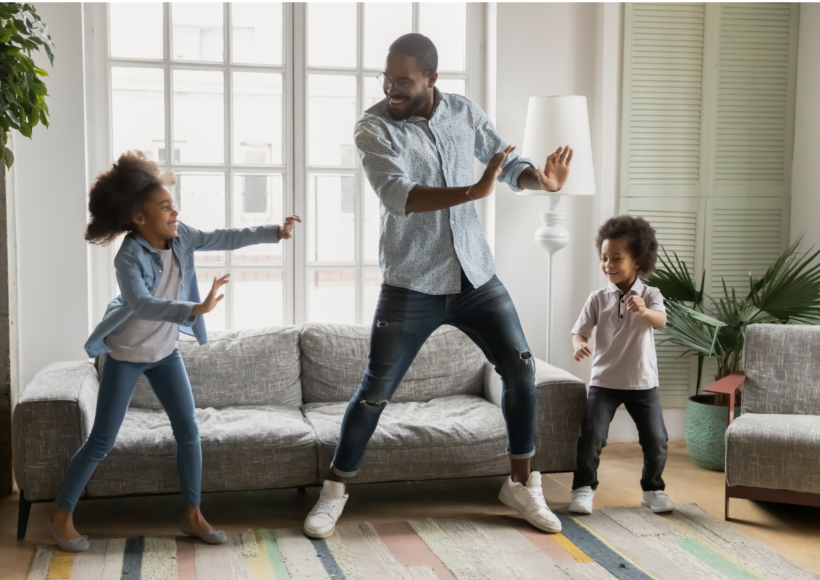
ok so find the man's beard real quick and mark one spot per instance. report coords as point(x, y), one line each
point(414, 107)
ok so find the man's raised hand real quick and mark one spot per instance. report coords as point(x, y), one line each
point(556, 169)
point(485, 185)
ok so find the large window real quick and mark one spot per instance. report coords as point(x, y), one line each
point(252, 107)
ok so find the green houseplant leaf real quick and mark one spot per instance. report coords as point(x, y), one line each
point(22, 93)
point(788, 293)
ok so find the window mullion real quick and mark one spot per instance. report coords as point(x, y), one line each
point(287, 159)
point(228, 132)
point(169, 100)
point(299, 48)
point(358, 222)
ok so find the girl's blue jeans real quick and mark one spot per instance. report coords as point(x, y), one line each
point(169, 380)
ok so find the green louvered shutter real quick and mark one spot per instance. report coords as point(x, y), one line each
point(707, 132)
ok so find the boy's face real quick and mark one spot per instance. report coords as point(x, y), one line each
point(158, 218)
point(617, 263)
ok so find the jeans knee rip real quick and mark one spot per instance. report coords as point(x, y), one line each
point(371, 406)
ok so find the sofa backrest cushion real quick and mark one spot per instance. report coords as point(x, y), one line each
point(334, 357)
point(238, 367)
point(782, 365)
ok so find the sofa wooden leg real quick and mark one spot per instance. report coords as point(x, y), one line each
point(23, 511)
point(726, 505)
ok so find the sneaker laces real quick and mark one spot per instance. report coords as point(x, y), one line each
point(328, 505)
point(582, 493)
point(537, 497)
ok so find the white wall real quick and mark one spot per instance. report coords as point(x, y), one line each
point(805, 168)
point(543, 49)
point(50, 192)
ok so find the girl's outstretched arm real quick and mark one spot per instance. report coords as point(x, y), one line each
point(233, 238)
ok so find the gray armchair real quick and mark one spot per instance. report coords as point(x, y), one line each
point(773, 448)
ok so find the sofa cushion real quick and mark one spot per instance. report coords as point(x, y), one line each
point(782, 365)
point(334, 357)
point(238, 367)
point(774, 451)
point(242, 448)
point(458, 436)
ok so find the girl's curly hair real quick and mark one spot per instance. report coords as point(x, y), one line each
point(119, 193)
point(640, 239)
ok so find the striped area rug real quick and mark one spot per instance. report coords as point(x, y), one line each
point(622, 543)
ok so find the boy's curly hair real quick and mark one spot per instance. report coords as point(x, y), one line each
point(640, 239)
point(119, 193)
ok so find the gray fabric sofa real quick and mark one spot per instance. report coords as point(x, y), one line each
point(773, 448)
point(269, 406)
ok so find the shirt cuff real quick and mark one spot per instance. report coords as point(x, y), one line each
point(270, 234)
point(518, 167)
point(183, 316)
point(394, 195)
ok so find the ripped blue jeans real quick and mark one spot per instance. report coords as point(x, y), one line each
point(404, 320)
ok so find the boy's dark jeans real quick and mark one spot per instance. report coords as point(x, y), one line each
point(644, 407)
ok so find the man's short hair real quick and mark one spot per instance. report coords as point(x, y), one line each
point(420, 47)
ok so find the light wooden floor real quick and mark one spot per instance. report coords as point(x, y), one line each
point(791, 530)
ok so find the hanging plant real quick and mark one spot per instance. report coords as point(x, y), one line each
point(22, 92)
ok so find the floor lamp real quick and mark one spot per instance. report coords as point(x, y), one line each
point(553, 122)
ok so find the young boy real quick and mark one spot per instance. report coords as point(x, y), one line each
point(624, 366)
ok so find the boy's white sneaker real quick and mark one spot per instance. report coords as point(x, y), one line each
point(657, 501)
point(528, 500)
point(582, 500)
point(321, 521)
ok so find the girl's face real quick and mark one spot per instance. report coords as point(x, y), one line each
point(617, 263)
point(158, 218)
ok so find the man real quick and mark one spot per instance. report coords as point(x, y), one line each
point(417, 148)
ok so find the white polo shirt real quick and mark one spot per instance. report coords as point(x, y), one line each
point(624, 355)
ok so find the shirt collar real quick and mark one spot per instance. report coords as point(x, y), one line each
point(141, 241)
point(637, 287)
point(437, 98)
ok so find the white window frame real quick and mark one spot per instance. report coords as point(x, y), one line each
point(295, 170)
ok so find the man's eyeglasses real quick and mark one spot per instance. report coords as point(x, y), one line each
point(402, 85)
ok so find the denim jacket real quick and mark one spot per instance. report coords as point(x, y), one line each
point(139, 270)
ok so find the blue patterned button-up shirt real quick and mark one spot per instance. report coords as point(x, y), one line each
point(426, 251)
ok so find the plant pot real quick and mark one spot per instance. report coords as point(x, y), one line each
point(706, 425)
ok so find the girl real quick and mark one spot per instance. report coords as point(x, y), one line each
point(139, 332)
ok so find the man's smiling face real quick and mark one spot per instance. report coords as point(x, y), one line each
point(411, 89)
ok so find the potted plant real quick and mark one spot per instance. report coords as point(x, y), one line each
point(22, 92)
point(788, 293)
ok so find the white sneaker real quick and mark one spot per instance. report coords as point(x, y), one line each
point(321, 521)
point(582, 500)
point(528, 500)
point(657, 501)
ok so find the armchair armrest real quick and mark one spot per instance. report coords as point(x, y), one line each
point(727, 386)
point(560, 400)
point(51, 421)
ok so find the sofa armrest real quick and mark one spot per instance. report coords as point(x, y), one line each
point(560, 401)
point(728, 386)
point(52, 419)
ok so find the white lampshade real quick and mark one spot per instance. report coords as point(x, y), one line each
point(553, 122)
